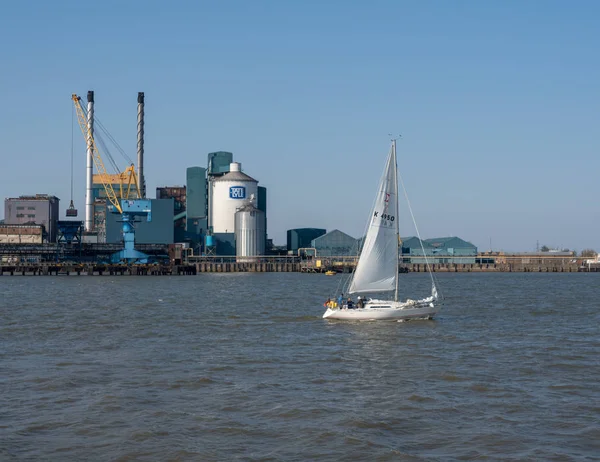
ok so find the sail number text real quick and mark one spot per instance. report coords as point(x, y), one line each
point(384, 216)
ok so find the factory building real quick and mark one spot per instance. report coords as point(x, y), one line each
point(335, 243)
point(205, 209)
point(228, 192)
point(159, 230)
point(196, 205)
point(40, 209)
point(213, 196)
point(301, 238)
point(438, 250)
point(178, 194)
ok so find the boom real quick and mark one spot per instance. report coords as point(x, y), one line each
point(110, 192)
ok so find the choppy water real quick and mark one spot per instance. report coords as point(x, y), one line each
point(242, 367)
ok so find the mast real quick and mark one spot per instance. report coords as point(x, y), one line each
point(397, 221)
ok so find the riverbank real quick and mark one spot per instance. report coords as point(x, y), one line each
point(48, 269)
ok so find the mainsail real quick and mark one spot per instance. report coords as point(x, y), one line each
point(377, 268)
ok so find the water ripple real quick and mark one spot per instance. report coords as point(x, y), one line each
point(243, 367)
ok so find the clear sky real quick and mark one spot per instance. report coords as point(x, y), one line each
point(498, 104)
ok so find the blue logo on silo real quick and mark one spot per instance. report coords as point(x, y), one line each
point(237, 192)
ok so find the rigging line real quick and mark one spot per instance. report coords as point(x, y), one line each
point(433, 281)
point(100, 140)
point(103, 129)
point(113, 140)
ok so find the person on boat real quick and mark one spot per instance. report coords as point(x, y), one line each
point(350, 303)
point(360, 303)
point(340, 300)
point(327, 303)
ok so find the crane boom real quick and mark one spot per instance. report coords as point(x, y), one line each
point(110, 192)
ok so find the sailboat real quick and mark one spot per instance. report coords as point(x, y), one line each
point(378, 264)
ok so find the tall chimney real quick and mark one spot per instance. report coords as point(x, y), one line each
point(140, 145)
point(89, 201)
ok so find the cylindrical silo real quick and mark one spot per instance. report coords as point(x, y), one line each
point(250, 233)
point(229, 192)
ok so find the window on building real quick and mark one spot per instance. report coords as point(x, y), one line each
point(30, 208)
point(31, 216)
point(20, 215)
point(20, 208)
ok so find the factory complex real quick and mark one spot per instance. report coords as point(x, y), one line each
point(219, 214)
point(219, 211)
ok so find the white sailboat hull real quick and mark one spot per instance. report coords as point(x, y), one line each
point(385, 310)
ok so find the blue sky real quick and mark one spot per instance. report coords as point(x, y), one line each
point(498, 104)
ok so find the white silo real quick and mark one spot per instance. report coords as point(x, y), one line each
point(228, 193)
point(250, 232)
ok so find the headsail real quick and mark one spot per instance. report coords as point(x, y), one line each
point(434, 292)
point(377, 267)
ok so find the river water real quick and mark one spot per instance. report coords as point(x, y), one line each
point(243, 367)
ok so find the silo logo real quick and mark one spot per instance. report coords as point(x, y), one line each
point(237, 192)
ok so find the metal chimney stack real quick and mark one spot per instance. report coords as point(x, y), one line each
point(140, 145)
point(89, 200)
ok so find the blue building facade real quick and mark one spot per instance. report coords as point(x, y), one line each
point(302, 238)
point(159, 230)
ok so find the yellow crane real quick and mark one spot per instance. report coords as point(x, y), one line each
point(127, 180)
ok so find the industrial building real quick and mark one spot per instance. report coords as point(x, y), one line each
point(178, 194)
point(40, 209)
point(219, 211)
point(335, 243)
point(196, 218)
point(301, 238)
point(438, 250)
point(159, 230)
point(213, 196)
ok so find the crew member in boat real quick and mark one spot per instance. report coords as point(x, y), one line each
point(350, 303)
point(360, 303)
point(340, 300)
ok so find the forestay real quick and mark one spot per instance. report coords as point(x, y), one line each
point(377, 267)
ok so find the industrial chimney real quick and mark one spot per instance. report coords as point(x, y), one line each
point(89, 201)
point(140, 145)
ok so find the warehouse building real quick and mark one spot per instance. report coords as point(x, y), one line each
point(335, 243)
point(438, 250)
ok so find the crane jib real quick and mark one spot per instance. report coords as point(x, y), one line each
point(127, 180)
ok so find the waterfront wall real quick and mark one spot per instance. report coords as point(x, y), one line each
point(268, 267)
